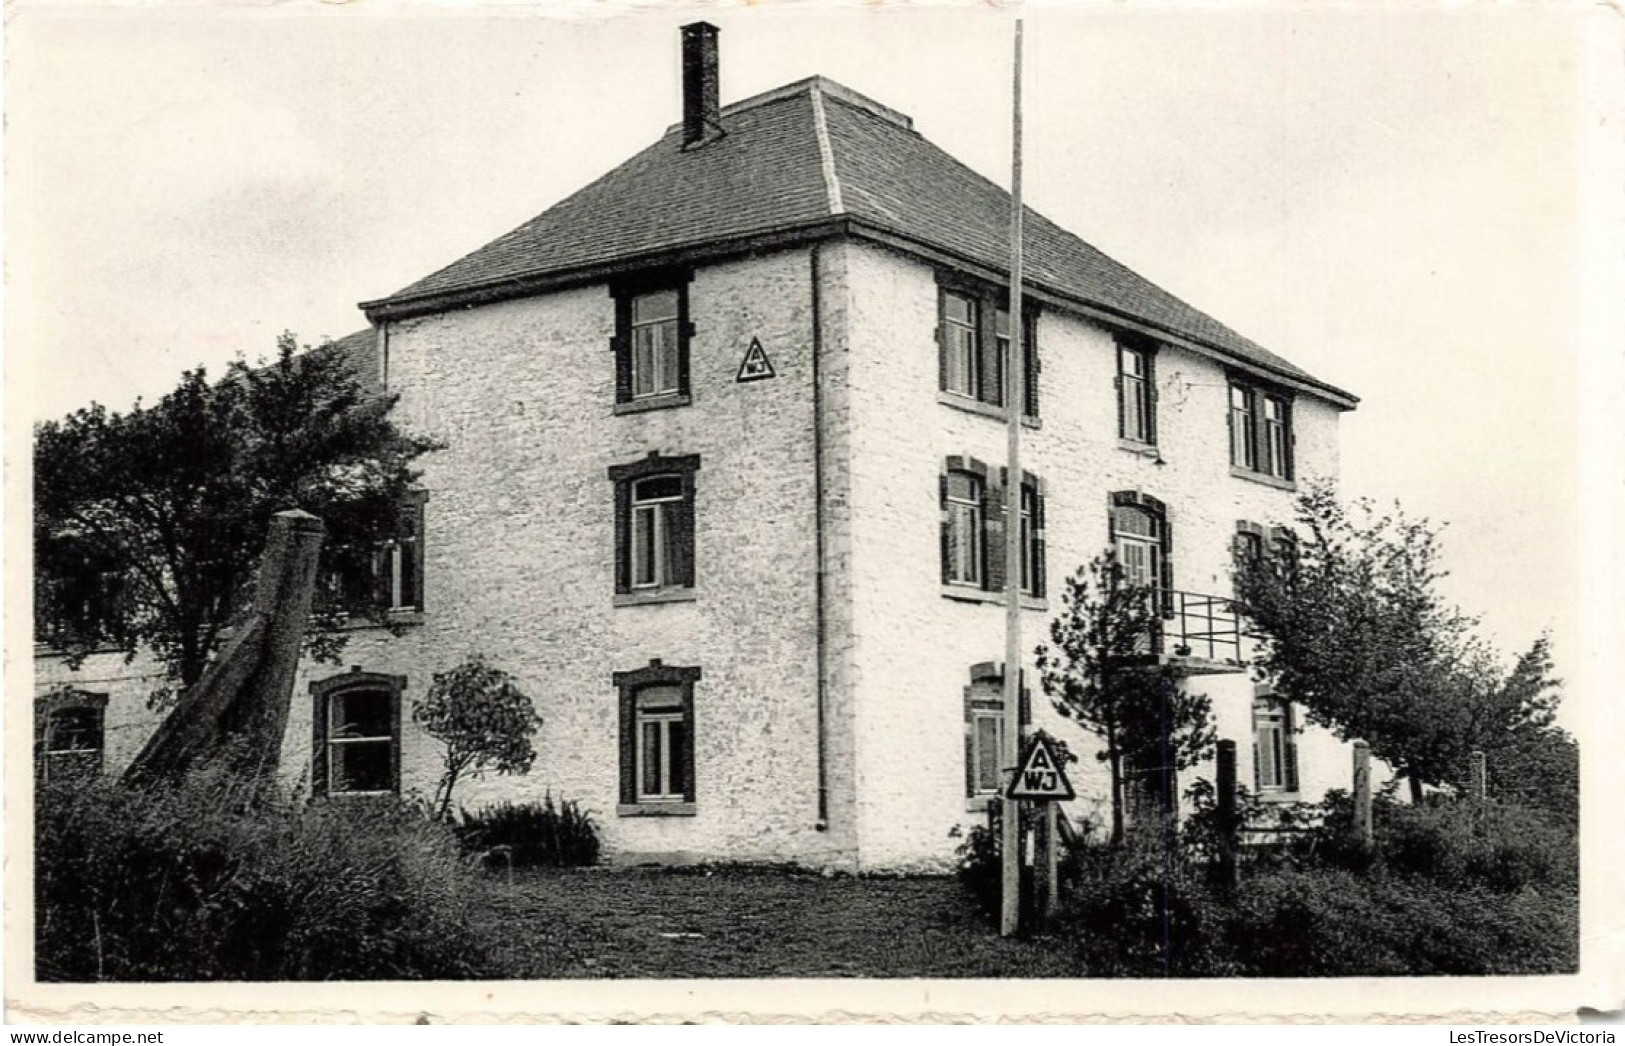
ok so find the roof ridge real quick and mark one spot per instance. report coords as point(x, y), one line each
point(826, 151)
point(807, 85)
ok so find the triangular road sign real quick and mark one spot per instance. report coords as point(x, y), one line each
point(756, 365)
point(1040, 775)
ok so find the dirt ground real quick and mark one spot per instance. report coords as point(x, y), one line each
point(678, 923)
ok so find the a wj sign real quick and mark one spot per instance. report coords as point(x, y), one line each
point(1039, 776)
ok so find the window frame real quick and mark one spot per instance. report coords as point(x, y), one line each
point(987, 350)
point(52, 707)
point(1267, 445)
point(675, 554)
point(1139, 389)
point(984, 699)
point(1157, 511)
point(627, 293)
point(1275, 716)
point(989, 535)
point(324, 694)
point(630, 686)
point(956, 510)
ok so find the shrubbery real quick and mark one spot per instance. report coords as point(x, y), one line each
point(532, 835)
point(1446, 889)
point(195, 883)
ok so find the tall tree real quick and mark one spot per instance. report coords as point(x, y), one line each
point(148, 523)
point(1351, 625)
point(1101, 672)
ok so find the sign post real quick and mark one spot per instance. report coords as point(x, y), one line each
point(1041, 777)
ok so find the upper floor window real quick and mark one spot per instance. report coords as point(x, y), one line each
point(657, 738)
point(1136, 393)
point(1260, 431)
point(654, 526)
point(69, 735)
point(652, 334)
point(1143, 544)
point(356, 734)
point(973, 335)
point(388, 576)
point(83, 598)
point(974, 499)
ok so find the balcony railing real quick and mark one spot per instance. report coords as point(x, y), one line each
point(1200, 627)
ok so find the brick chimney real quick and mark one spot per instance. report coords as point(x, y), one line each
point(702, 107)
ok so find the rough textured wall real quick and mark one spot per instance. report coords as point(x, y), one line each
point(914, 646)
point(520, 548)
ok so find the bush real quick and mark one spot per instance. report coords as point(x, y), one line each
point(532, 835)
point(195, 883)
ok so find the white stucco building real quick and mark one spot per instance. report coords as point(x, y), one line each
point(722, 488)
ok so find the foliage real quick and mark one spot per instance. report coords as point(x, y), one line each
point(163, 510)
point(531, 835)
point(1098, 673)
point(484, 721)
point(1352, 626)
point(194, 883)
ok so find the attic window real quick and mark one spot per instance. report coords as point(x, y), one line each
point(651, 344)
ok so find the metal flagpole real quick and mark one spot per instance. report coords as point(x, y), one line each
point(1014, 388)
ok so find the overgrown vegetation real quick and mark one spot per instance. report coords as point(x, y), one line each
point(1448, 888)
point(148, 523)
point(197, 882)
point(531, 835)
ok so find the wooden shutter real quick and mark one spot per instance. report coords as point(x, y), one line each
point(318, 743)
point(1150, 358)
point(1258, 771)
point(629, 742)
point(621, 344)
point(990, 369)
point(942, 339)
point(623, 535)
point(1289, 747)
point(994, 512)
point(685, 334)
point(1167, 579)
point(1289, 439)
point(687, 754)
point(1030, 364)
point(1117, 384)
point(681, 520)
point(942, 504)
point(395, 740)
point(970, 745)
point(1040, 567)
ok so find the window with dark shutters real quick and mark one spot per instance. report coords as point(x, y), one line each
point(976, 509)
point(653, 332)
point(1275, 745)
point(356, 734)
point(1261, 437)
point(654, 524)
point(984, 729)
point(1142, 541)
point(973, 345)
point(657, 738)
point(1136, 390)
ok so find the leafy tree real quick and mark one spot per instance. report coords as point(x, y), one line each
point(149, 524)
point(484, 721)
point(1100, 672)
point(1511, 718)
point(1352, 626)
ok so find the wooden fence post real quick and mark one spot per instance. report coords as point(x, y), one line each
point(1363, 831)
point(1229, 823)
point(1477, 777)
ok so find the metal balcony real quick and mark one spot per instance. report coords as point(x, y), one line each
point(1199, 633)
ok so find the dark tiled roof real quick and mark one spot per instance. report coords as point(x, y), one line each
point(767, 176)
point(360, 350)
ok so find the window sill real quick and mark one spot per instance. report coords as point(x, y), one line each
point(1263, 477)
point(655, 809)
point(966, 594)
point(1279, 795)
point(978, 804)
point(638, 406)
point(1140, 450)
point(400, 618)
point(987, 410)
point(657, 595)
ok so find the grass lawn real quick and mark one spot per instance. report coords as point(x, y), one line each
point(650, 922)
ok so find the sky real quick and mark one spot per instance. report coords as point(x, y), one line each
point(1392, 200)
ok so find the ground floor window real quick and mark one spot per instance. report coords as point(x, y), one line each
point(69, 735)
point(1275, 748)
point(357, 734)
point(657, 737)
point(984, 730)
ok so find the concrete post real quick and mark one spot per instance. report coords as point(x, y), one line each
point(239, 708)
point(1477, 777)
point(1052, 863)
point(1363, 831)
point(1228, 821)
